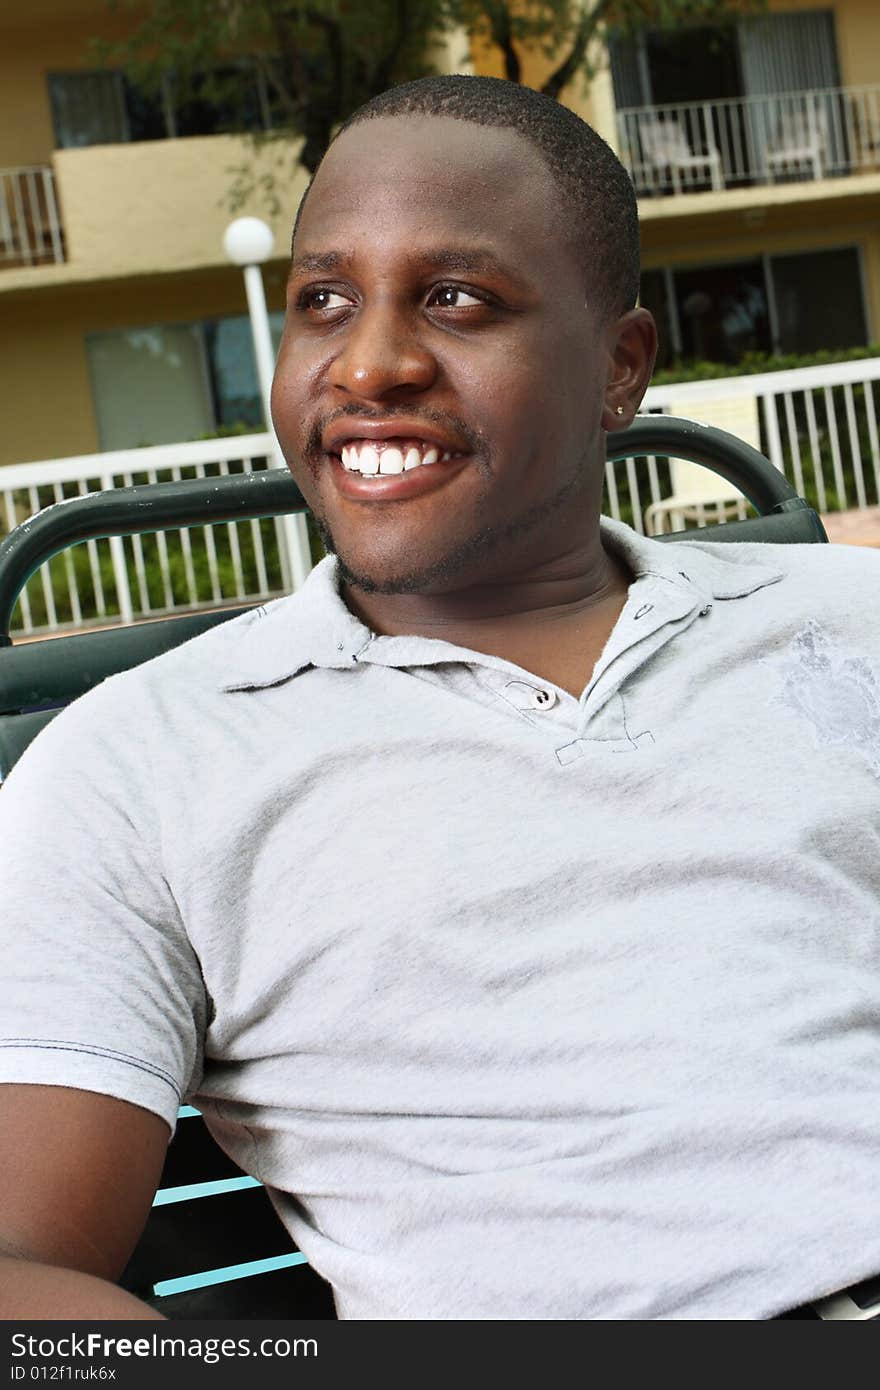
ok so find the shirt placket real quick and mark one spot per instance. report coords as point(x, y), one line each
point(651, 618)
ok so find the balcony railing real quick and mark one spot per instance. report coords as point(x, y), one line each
point(715, 145)
point(30, 227)
point(122, 579)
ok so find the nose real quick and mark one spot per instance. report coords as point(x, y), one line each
point(382, 352)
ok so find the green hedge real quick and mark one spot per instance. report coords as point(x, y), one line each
point(755, 362)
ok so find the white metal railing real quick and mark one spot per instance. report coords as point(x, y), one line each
point(30, 227)
point(814, 134)
point(101, 582)
point(818, 425)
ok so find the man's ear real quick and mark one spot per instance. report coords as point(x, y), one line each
point(632, 350)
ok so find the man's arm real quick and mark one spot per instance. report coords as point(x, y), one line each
point(78, 1172)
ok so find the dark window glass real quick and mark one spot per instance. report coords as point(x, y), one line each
point(273, 76)
point(693, 64)
point(653, 296)
point(222, 100)
point(722, 311)
point(146, 114)
point(627, 75)
point(88, 108)
point(102, 108)
point(819, 300)
point(233, 371)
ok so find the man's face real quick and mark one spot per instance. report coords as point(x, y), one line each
point(436, 310)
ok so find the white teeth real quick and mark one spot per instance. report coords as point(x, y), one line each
point(366, 459)
point(391, 461)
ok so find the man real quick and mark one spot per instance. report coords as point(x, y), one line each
point(506, 898)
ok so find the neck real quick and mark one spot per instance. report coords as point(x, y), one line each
point(579, 590)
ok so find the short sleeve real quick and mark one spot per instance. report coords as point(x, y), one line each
point(100, 988)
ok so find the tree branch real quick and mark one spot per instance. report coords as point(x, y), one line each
point(499, 22)
point(385, 68)
point(586, 29)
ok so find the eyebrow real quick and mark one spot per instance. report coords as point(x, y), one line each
point(443, 258)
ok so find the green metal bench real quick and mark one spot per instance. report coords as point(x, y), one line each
point(213, 1246)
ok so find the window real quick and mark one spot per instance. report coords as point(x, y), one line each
point(106, 108)
point(216, 101)
point(654, 295)
point(755, 55)
point(170, 382)
point(819, 300)
point(88, 108)
point(722, 311)
point(794, 303)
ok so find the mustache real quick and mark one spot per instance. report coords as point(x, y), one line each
point(441, 419)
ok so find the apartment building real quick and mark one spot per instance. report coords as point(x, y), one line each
point(754, 149)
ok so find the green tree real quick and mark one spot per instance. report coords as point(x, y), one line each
point(321, 59)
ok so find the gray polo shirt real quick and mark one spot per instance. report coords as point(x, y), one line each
point(523, 1006)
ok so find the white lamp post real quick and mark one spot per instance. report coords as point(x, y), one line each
point(248, 242)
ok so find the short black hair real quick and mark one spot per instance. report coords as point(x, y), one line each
point(598, 203)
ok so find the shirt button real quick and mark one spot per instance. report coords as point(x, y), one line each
point(544, 699)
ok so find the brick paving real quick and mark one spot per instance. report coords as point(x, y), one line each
point(857, 527)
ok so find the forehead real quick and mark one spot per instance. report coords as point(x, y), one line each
point(429, 178)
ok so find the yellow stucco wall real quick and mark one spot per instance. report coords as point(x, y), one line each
point(130, 209)
point(38, 37)
point(43, 349)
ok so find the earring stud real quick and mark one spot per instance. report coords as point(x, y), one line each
point(620, 410)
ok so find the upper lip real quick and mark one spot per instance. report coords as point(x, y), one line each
point(344, 431)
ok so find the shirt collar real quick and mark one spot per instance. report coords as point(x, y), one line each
point(313, 627)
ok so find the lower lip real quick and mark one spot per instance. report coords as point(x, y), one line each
point(394, 487)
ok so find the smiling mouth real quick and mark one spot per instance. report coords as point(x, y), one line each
point(372, 458)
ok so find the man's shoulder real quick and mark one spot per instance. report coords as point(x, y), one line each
point(857, 559)
point(208, 659)
point(172, 690)
point(831, 574)
point(213, 655)
point(280, 631)
point(811, 597)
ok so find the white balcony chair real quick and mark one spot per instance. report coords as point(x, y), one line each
point(698, 494)
point(801, 139)
point(665, 146)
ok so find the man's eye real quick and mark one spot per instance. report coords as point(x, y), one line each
point(451, 297)
point(322, 299)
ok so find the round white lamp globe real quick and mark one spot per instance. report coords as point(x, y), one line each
point(248, 241)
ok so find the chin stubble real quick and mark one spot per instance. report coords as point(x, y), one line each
point(482, 544)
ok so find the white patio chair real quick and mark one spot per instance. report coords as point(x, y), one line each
point(665, 146)
point(801, 138)
point(698, 494)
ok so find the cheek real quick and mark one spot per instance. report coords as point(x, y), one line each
point(297, 377)
point(292, 419)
